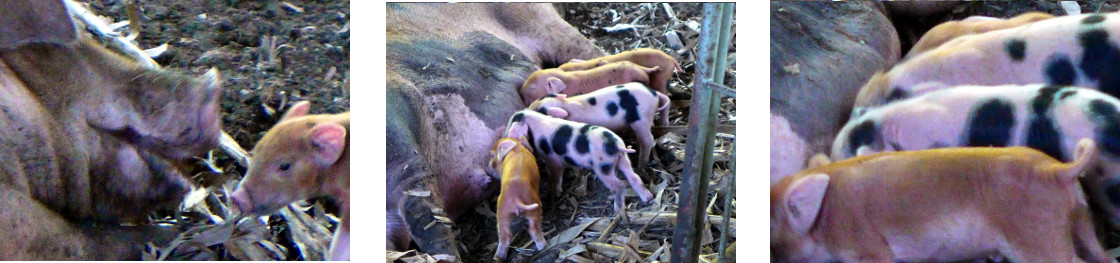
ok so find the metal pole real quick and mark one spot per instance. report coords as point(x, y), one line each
point(701, 132)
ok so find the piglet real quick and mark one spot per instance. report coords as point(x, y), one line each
point(566, 143)
point(944, 32)
point(520, 184)
point(553, 81)
point(646, 57)
point(629, 106)
point(303, 156)
point(937, 205)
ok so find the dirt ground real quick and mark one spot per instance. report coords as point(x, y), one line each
point(587, 199)
point(270, 54)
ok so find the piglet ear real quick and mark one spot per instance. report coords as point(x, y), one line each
point(504, 148)
point(561, 96)
point(555, 85)
point(297, 110)
point(328, 141)
point(557, 112)
point(803, 201)
point(517, 129)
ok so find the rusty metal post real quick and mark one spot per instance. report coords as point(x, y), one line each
point(714, 38)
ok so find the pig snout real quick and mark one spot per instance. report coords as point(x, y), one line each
point(241, 200)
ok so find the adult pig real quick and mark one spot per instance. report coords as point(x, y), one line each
point(93, 135)
point(820, 54)
point(1050, 119)
point(453, 75)
point(303, 156)
point(939, 205)
point(1071, 50)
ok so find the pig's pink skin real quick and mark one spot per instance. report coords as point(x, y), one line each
point(970, 60)
point(826, 213)
point(303, 156)
point(579, 109)
point(939, 118)
point(442, 122)
point(556, 81)
point(545, 126)
point(646, 57)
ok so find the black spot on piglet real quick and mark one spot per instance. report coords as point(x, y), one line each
point(1108, 121)
point(630, 105)
point(543, 145)
point(591, 101)
point(896, 94)
point(583, 145)
point(1099, 61)
point(864, 133)
point(1066, 93)
point(517, 117)
point(612, 108)
point(1042, 135)
point(1059, 70)
point(561, 138)
point(1093, 19)
point(990, 124)
point(610, 145)
point(1017, 48)
point(569, 160)
point(606, 168)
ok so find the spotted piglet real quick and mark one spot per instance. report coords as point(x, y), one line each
point(566, 143)
point(629, 106)
point(1048, 118)
point(554, 81)
point(1079, 50)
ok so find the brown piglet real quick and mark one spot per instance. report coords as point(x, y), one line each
point(940, 205)
point(520, 185)
point(646, 57)
point(303, 156)
point(557, 81)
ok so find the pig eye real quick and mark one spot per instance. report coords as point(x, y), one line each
point(285, 166)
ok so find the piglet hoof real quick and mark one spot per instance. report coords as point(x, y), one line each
point(645, 195)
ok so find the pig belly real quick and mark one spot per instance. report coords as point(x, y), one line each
point(459, 152)
point(952, 237)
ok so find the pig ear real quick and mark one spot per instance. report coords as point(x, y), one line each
point(803, 201)
point(212, 83)
point(24, 22)
point(557, 112)
point(297, 110)
point(517, 129)
point(329, 141)
point(561, 96)
point(504, 148)
point(555, 85)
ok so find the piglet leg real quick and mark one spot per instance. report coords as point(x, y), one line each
point(556, 171)
point(645, 141)
point(635, 181)
point(1085, 238)
point(505, 218)
point(534, 217)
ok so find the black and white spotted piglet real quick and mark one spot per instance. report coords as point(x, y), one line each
point(1047, 118)
point(565, 143)
point(1079, 50)
point(629, 106)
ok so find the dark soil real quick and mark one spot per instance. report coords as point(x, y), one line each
point(270, 54)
